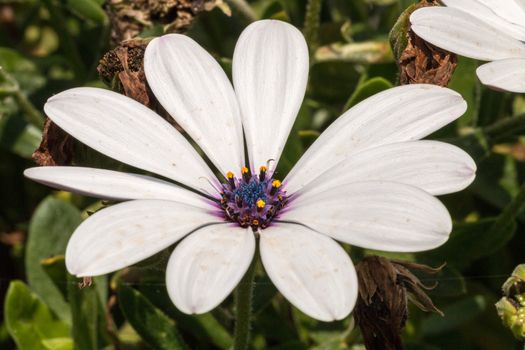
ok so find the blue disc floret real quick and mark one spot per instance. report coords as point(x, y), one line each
point(253, 199)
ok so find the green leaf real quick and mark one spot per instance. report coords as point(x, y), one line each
point(59, 344)
point(367, 89)
point(88, 320)
point(49, 230)
point(88, 9)
point(477, 237)
point(22, 70)
point(157, 329)
point(332, 81)
point(29, 321)
point(455, 315)
point(18, 136)
point(87, 315)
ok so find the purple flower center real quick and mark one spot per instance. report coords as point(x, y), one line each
point(252, 200)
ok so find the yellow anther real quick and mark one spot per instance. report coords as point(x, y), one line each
point(229, 175)
point(244, 170)
point(276, 183)
point(255, 222)
point(263, 169)
point(260, 204)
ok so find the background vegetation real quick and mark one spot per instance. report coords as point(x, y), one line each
point(51, 45)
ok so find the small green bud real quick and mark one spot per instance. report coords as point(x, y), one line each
point(515, 284)
point(512, 313)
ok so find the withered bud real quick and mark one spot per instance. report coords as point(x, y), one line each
point(56, 148)
point(130, 17)
point(385, 287)
point(122, 69)
point(420, 62)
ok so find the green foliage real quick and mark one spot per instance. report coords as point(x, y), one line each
point(31, 323)
point(49, 230)
point(157, 329)
point(52, 45)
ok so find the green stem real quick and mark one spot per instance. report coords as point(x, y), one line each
point(243, 308)
point(31, 114)
point(504, 127)
point(512, 210)
point(243, 7)
point(311, 23)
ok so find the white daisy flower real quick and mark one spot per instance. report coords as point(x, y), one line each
point(366, 181)
point(487, 30)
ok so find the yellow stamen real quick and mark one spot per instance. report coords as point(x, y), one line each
point(229, 175)
point(276, 183)
point(255, 222)
point(263, 169)
point(260, 204)
point(244, 170)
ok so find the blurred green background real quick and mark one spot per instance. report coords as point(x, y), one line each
point(51, 45)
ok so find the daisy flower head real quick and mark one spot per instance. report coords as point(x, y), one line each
point(487, 30)
point(367, 180)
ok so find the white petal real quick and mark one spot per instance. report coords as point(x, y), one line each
point(193, 88)
point(399, 114)
point(270, 71)
point(385, 216)
point(311, 270)
point(508, 75)
point(110, 184)
point(207, 265)
point(511, 10)
point(129, 232)
point(461, 33)
point(436, 167)
point(477, 9)
point(128, 131)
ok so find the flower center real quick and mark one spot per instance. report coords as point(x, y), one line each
point(252, 200)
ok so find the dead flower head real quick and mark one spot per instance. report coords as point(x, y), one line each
point(130, 17)
point(420, 62)
point(385, 287)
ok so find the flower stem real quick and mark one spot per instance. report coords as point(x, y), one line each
point(511, 211)
point(243, 308)
point(243, 7)
point(506, 127)
point(311, 23)
point(32, 115)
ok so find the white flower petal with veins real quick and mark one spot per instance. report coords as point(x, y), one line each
point(485, 13)
point(108, 184)
point(399, 114)
point(378, 215)
point(206, 266)
point(504, 74)
point(436, 167)
point(459, 32)
point(311, 270)
point(128, 131)
point(129, 232)
point(510, 10)
point(194, 89)
point(270, 71)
